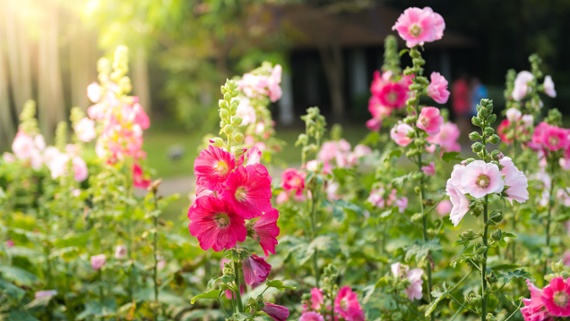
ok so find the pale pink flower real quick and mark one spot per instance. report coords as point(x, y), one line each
point(94, 92)
point(23, 146)
point(8, 157)
point(437, 88)
point(456, 195)
point(311, 316)
point(566, 258)
point(413, 276)
point(429, 169)
point(246, 112)
point(430, 120)
point(45, 294)
point(522, 88)
point(418, 26)
point(97, 261)
point(444, 208)
point(527, 120)
point(85, 130)
point(282, 198)
point(402, 134)
point(515, 180)
point(482, 179)
point(331, 191)
point(513, 114)
point(273, 84)
point(446, 138)
point(80, 171)
point(401, 203)
point(120, 252)
point(312, 165)
point(549, 87)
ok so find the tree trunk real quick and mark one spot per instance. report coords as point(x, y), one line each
point(7, 128)
point(141, 81)
point(331, 55)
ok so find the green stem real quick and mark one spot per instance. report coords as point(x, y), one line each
point(129, 213)
point(101, 292)
point(314, 196)
point(237, 270)
point(514, 221)
point(425, 232)
point(154, 250)
point(484, 263)
point(549, 213)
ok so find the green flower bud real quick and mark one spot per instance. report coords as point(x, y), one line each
point(492, 118)
point(488, 131)
point(476, 121)
point(494, 139)
point(477, 147)
point(496, 216)
point(497, 235)
point(475, 136)
point(238, 138)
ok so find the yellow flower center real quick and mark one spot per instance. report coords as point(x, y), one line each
point(221, 167)
point(415, 30)
point(483, 181)
point(240, 194)
point(222, 220)
point(561, 299)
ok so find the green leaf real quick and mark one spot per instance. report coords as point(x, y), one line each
point(17, 275)
point(278, 284)
point(212, 294)
point(437, 296)
point(421, 250)
point(506, 277)
point(451, 156)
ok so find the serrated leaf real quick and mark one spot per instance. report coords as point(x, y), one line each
point(212, 294)
point(17, 275)
point(421, 250)
point(515, 274)
point(437, 296)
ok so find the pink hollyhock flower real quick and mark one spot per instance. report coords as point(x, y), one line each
point(522, 88)
point(10, 243)
point(120, 252)
point(515, 180)
point(418, 26)
point(246, 112)
point(80, 171)
point(215, 223)
point(401, 134)
point(98, 261)
point(513, 114)
point(255, 269)
point(549, 87)
point(23, 146)
point(414, 277)
point(328, 151)
point(430, 120)
point(402, 204)
point(446, 138)
point(456, 195)
point(282, 198)
point(444, 207)
point(8, 158)
point(331, 191)
point(533, 309)
point(45, 294)
point(85, 130)
point(253, 156)
point(374, 124)
point(378, 81)
point(139, 117)
point(556, 297)
point(429, 169)
point(311, 316)
point(555, 138)
point(361, 151)
point(347, 306)
point(317, 299)
point(437, 88)
point(527, 120)
point(248, 190)
point(94, 92)
point(213, 166)
point(293, 181)
point(276, 312)
point(393, 95)
point(480, 179)
point(566, 258)
point(502, 131)
point(376, 197)
point(273, 84)
point(265, 231)
point(139, 180)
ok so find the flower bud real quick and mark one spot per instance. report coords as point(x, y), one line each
point(492, 118)
point(496, 217)
point(494, 139)
point(475, 136)
point(477, 147)
point(476, 121)
point(488, 131)
point(497, 235)
point(238, 137)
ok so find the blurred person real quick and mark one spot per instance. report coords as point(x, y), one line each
point(478, 92)
point(460, 102)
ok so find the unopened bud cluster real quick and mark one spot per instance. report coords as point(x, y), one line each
point(229, 121)
point(484, 119)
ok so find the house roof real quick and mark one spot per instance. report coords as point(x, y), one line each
point(309, 27)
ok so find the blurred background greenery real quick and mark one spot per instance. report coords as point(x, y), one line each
point(182, 51)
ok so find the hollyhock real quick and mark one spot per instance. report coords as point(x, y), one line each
point(393, 95)
point(533, 309)
point(456, 194)
point(444, 207)
point(522, 88)
point(94, 92)
point(328, 151)
point(23, 146)
point(293, 181)
point(446, 138)
point(214, 165)
point(248, 190)
point(85, 130)
point(276, 312)
point(10, 243)
point(430, 120)
point(401, 204)
point(265, 231)
point(331, 191)
point(437, 88)
point(97, 261)
point(401, 134)
point(317, 299)
point(480, 179)
point(549, 87)
point(414, 277)
point(515, 180)
point(347, 306)
point(556, 138)
point(45, 294)
point(273, 86)
point(311, 316)
point(139, 180)
point(429, 169)
point(566, 258)
point(513, 114)
point(556, 297)
point(80, 171)
point(246, 112)
point(418, 26)
point(502, 131)
point(120, 252)
point(215, 223)
point(255, 269)
point(378, 81)
point(376, 197)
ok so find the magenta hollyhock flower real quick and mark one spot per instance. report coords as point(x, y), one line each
point(556, 138)
point(97, 261)
point(402, 134)
point(293, 181)
point(549, 87)
point(418, 26)
point(347, 306)
point(215, 223)
point(430, 120)
point(502, 131)
point(515, 180)
point(276, 312)
point(248, 190)
point(213, 166)
point(480, 179)
point(311, 316)
point(378, 81)
point(394, 94)
point(255, 269)
point(437, 88)
point(534, 309)
point(556, 297)
point(446, 138)
point(265, 231)
point(317, 299)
